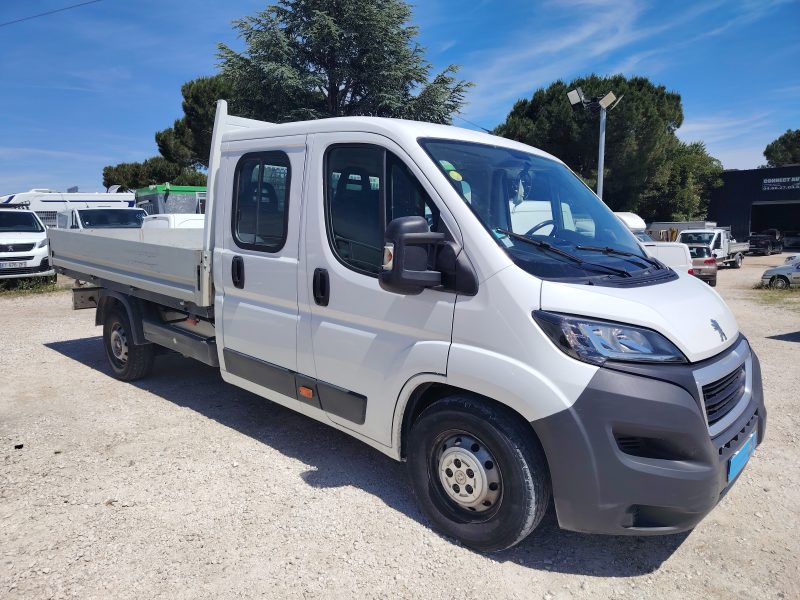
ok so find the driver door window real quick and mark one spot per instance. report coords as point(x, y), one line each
point(366, 187)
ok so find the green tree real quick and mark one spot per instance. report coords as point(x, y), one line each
point(640, 134)
point(307, 59)
point(188, 141)
point(682, 184)
point(785, 150)
point(154, 170)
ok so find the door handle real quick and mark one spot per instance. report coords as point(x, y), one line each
point(321, 287)
point(237, 271)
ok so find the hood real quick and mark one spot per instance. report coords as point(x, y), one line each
point(686, 311)
point(22, 237)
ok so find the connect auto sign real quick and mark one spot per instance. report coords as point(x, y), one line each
point(775, 184)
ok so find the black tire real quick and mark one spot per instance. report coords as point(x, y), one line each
point(779, 282)
point(128, 361)
point(737, 262)
point(521, 492)
point(713, 282)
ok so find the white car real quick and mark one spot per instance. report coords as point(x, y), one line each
point(23, 244)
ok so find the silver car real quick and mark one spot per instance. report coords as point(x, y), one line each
point(782, 277)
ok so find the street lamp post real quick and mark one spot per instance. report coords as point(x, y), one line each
point(601, 105)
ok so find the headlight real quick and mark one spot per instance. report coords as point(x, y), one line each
point(43, 243)
point(598, 341)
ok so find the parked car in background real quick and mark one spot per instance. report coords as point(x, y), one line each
point(792, 258)
point(704, 265)
point(783, 277)
point(769, 241)
point(100, 218)
point(23, 243)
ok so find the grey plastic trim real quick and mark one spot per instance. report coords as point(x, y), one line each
point(184, 342)
point(260, 372)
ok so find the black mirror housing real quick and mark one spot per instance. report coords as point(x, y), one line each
point(406, 256)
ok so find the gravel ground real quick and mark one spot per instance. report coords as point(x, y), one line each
point(181, 486)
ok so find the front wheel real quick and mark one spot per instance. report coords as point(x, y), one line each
point(779, 283)
point(128, 361)
point(478, 473)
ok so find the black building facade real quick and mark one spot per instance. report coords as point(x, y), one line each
point(758, 199)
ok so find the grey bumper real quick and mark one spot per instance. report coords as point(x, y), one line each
point(635, 454)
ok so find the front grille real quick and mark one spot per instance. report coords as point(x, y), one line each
point(16, 247)
point(721, 396)
point(14, 258)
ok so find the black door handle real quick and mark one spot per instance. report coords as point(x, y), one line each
point(322, 287)
point(237, 271)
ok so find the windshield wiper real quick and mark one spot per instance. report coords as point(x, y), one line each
point(556, 250)
point(610, 250)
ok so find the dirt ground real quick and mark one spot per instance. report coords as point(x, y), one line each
point(181, 486)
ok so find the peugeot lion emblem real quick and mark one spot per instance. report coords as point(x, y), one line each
point(718, 329)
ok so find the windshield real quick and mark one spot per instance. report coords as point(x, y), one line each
point(19, 220)
point(696, 237)
point(111, 218)
point(544, 217)
point(643, 237)
point(699, 251)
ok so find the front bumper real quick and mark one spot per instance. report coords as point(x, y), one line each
point(33, 263)
point(635, 456)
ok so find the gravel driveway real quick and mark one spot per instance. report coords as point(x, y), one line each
point(181, 486)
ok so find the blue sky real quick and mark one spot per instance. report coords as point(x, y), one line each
point(89, 87)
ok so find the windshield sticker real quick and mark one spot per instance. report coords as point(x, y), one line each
point(456, 175)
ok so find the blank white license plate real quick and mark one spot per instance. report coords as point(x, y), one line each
point(12, 265)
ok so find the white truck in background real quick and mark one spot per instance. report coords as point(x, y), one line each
point(370, 273)
point(726, 250)
point(672, 254)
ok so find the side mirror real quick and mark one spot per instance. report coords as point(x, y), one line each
point(414, 258)
point(406, 256)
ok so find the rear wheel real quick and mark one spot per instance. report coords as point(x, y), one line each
point(478, 473)
point(779, 282)
point(737, 262)
point(128, 361)
point(713, 282)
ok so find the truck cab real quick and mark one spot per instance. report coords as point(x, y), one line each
point(458, 301)
point(108, 217)
point(725, 249)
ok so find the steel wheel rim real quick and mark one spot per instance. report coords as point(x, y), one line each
point(779, 283)
point(118, 342)
point(467, 476)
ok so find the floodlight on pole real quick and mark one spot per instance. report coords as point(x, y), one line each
point(601, 105)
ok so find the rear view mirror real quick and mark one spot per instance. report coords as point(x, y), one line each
point(409, 243)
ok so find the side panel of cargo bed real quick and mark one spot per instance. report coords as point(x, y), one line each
point(163, 261)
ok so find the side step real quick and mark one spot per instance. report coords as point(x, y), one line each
point(190, 345)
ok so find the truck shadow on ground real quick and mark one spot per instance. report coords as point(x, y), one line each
point(193, 385)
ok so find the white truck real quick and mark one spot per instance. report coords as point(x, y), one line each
point(369, 273)
point(726, 250)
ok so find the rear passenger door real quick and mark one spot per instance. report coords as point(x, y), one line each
point(367, 342)
point(259, 263)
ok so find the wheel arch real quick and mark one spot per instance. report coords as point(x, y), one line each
point(110, 299)
point(424, 393)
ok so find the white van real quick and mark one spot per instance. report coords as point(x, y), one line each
point(23, 244)
point(48, 203)
point(101, 218)
point(370, 273)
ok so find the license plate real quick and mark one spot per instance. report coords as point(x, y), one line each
point(742, 455)
point(12, 265)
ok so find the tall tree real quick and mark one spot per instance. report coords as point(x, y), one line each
point(188, 141)
point(154, 170)
point(785, 150)
point(640, 133)
point(306, 59)
point(681, 186)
